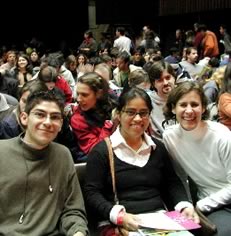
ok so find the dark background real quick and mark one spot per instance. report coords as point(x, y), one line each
point(164, 16)
point(55, 23)
point(50, 22)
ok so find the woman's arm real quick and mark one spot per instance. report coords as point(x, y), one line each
point(96, 190)
point(223, 196)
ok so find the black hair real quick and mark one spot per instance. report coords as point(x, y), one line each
point(38, 97)
point(32, 86)
point(105, 103)
point(47, 74)
point(124, 55)
point(157, 68)
point(132, 93)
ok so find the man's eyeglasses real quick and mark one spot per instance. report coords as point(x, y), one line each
point(133, 113)
point(54, 117)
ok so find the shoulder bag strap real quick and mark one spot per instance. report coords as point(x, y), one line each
point(112, 168)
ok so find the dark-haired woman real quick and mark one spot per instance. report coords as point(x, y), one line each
point(91, 121)
point(143, 172)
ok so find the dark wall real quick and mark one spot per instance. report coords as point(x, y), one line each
point(164, 16)
point(51, 24)
point(130, 14)
point(213, 19)
point(125, 11)
point(178, 7)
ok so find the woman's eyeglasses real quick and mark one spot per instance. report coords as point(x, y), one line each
point(133, 113)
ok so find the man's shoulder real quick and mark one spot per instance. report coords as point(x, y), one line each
point(59, 153)
point(58, 147)
point(133, 68)
point(185, 63)
point(8, 143)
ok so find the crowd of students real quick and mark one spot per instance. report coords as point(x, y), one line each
point(155, 112)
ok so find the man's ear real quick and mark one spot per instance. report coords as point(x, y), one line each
point(23, 118)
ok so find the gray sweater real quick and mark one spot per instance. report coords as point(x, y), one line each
point(40, 192)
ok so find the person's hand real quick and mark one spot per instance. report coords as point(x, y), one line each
point(190, 213)
point(121, 231)
point(89, 68)
point(81, 68)
point(130, 222)
point(222, 41)
point(85, 68)
point(146, 57)
point(79, 234)
point(108, 124)
point(68, 109)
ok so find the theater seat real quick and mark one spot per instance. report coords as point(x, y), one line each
point(80, 170)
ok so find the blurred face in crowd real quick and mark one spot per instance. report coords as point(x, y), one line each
point(34, 56)
point(72, 66)
point(22, 62)
point(81, 59)
point(192, 56)
point(121, 64)
point(23, 99)
point(11, 58)
point(137, 56)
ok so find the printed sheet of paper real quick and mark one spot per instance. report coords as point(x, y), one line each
point(158, 221)
point(172, 220)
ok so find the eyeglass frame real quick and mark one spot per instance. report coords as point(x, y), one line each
point(46, 115)
point(135, 113)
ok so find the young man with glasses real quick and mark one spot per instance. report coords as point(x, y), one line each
point(40, 193)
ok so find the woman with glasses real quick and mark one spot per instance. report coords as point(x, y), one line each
point(144, 175)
